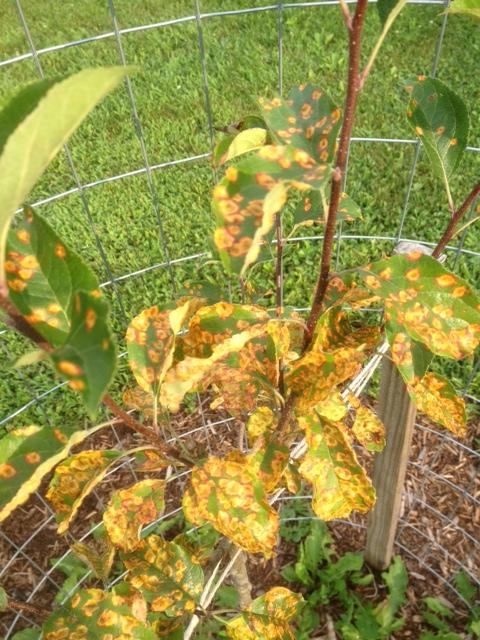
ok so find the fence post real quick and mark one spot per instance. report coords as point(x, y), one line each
point(397, 412)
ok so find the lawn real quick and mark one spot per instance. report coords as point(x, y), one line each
point(241, 63)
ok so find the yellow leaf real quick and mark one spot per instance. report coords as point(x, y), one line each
point(436, 398)
point(260, 422)
point(247, 140)
point(369, 429)
point(340, 484)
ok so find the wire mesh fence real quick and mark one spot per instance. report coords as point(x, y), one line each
point(437, 506)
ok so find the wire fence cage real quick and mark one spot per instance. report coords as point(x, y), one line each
point(131, 194)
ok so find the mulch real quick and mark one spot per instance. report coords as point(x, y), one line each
point(440, 520)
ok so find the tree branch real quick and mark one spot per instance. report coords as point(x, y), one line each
point(455, 219)
point(347, 18)
point(353, 90)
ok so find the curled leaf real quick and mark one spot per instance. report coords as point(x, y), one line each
point(369, 429)
point(435, 396)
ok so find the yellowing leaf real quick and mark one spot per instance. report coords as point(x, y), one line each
point(437, 399)
point(166, 576)
point(190, 372)
point(369, 429)
point(340, 484)
point(267, 617)
point(130, 509)
point(98, 556)
point(226, 494)
point(27, 454)
point(92, 613)
point(74, 479)
point(247, 140)
point(139, 400)
point(260, 423)
point(267, 462)
point(315, 375)
point(333, 408)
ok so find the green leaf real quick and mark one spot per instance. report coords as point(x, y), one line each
point(396, 579)
point(226, 494)
point(426, 303)
point(27, 455)
point(60, 297)
point(465, 587)
point(436, 397)
point(27, 634)
point(74, 479)
point(312, 209)
point(467, 7)
point(166, 576)
point(3, 600)
point(43, 276)
point(440, 119)
point(307, 119)
point(92, 613)
point(129, 509)
point(88, 358)
point(340, 484)
point(51, 115)
point(267, 617)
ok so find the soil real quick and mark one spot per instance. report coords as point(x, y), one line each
point(438, 532)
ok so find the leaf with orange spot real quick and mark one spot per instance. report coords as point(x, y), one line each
point(268, 617)
point(149, 459)
point(50, 274)
point(88, 358)
point(167, 577)
point(74, 479)
point(226, 494)
point(132, 508)
point(334, 330)
point(333, 408)
point(313, 209)
point(268, 461)
point(27, 454)
point(260, 423)
point(139, 400)
point(307, 119)
point(435, 397)
point(426, 304)
point(316, 374)
point(93, 613)
point(340, 484)
point(246, 201)
point(97, 555)
point(368, 429)
point(440, 119)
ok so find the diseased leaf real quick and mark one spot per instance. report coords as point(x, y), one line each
point(333, 408)
point(98, 556)
point(316, 374)
point(268, 461)
point(334, 331)
point(240, 143)
point(42, 118)
point(149, 460)
point(312, 209)
point(440, 119)
point(427, 304)
point(43, 276)
point(267, 617)
point(129, 509)
point(166, 577)
point(239, 199)
point(151, 342)
point(226, 494)
point(308, 119)
point(435, 396)
point(139, 400)
point(467, 7)
point(27, 454)
point(232, 132)
point(369, 429)
point(261, 422)
point(74, 479)
point(88, 358)
point(93, 613)
point(340, 484)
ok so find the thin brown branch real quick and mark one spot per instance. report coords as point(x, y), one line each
point(455, 219)
point(347, 18)
point(26, 607)
point(336, 186)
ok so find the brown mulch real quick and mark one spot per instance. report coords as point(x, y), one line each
point(430, 538)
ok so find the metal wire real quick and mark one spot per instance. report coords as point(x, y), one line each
point(198, 18)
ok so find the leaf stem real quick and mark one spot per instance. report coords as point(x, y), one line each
point(347, 18)
point(455, 219)
point(353, 89)
point(392, 16)
point(26, 607)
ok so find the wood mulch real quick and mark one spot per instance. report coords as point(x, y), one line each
point(438, 534)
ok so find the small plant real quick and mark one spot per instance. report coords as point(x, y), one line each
point(286, 377)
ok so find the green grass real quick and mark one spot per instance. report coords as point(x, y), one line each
point(241, 60)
